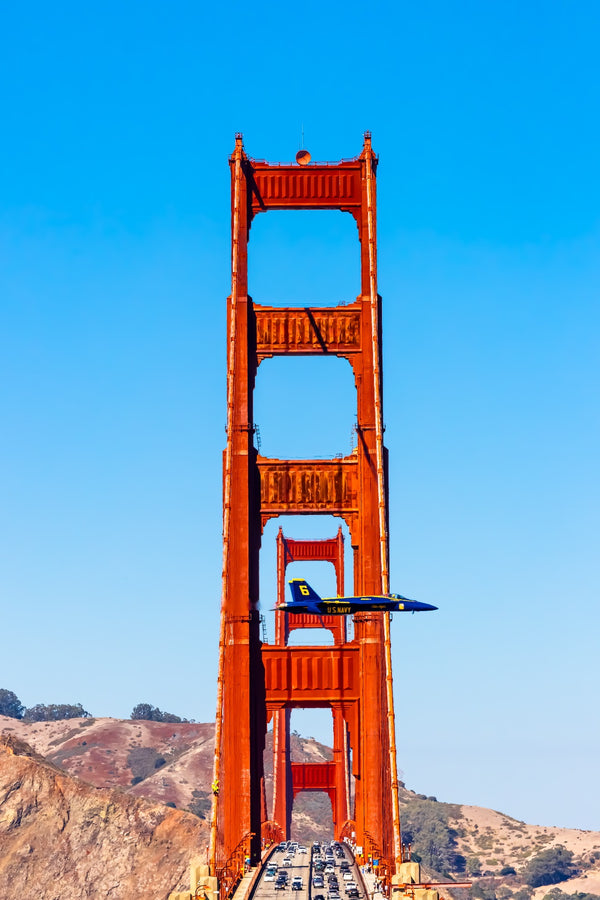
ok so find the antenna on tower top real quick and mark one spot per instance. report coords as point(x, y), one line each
point(302, 156)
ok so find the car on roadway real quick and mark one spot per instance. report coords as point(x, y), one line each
point(271, 875)
point(287, 861)
point(297, 883)
point(347, 875)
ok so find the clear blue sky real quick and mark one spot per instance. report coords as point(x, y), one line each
point(114, 268)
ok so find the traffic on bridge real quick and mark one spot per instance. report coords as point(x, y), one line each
point(322, 871)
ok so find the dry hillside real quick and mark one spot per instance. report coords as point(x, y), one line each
point(486, 844)
point(63, 839)
point(139, 769)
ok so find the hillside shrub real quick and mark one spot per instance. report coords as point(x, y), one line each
point(425, 825)
point(142, 762)
point(523, 894)
point(10, 705)
point(473, 865)
point(153, 714)
point(549, 867)
point(557, 894)
point(201, 804)
point(55, 712)
point(508, 870)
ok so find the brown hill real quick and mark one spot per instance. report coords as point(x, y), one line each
point(162, 762)
point(498, 840)
point(62, 839)
point(172, 764)
point(491, 842)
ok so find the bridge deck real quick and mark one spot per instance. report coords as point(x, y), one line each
point(302, 865)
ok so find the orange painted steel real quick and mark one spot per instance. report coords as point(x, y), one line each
point(352, 678)
point(315, 777)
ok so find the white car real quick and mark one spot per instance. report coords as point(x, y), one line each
point(348, 876)
point(271, 875)
point(287, 861)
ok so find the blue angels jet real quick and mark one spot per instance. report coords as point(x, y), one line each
point(306, 600)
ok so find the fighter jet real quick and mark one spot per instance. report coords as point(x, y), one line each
point(306, 600)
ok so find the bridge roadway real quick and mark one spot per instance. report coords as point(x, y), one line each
point(297, 864)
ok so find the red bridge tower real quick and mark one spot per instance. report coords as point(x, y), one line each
point(353, 678)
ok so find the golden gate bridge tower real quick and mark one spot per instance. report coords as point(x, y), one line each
point(260, 683)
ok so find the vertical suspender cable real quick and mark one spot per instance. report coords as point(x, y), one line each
point(383, 537)
point(226, 499)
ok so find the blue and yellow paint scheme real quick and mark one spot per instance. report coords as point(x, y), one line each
point(306, 600)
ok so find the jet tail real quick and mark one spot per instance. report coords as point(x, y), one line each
point(304, 595)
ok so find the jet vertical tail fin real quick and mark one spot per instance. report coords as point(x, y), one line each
point(304, 595)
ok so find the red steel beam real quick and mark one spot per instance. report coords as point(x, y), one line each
point(302, 677)
point(313, 777)
point(306, 331)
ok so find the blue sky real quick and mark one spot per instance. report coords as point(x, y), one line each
point(118, 120)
